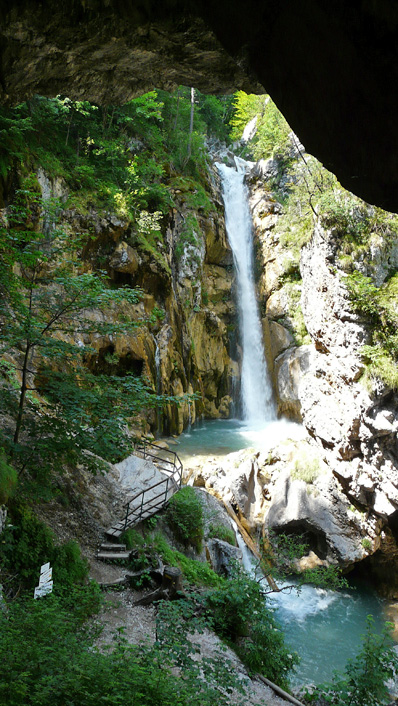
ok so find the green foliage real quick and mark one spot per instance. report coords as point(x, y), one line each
point(367, 544)
point(216, 112)
point(364, 682)
point(132, 539)
point(195, 572)
point(240, 616)
point(272, 130)
point(378, 306)
point(14, 126)
point(62, 407)
point(27, 543)
point(25, 546)
point(226, 534)
point(289, 547)
point(325, 577)
point(8, 478)
point(245, 108)
point(69, 567)
point(345, 213)
point(185, 516)
point(49, 656)
point(188, 236)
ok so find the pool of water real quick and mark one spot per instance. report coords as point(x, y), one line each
point(324, 627)
point(219, 437)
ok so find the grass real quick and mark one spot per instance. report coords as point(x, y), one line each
point(195, 572)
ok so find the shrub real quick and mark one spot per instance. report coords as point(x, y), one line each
point(367, 544)
point(8, 479)
point(28, 543)
point(185, 516)
point(365, 680)
point(195, 572)
point(305, 469)
point(241, 617)
point(69, 565)
point(49, 657)
point(226, 534)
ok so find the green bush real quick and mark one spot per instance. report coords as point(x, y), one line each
point(28, 543)
point(8, 479)
point(240, 616)
point(185, 516)
point(367, 544)
point(226, 534)
point(195, 572)
point(49, 656)
point(69, 567)
point(306, 469)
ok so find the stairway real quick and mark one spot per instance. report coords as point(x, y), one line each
point(113, 552)
point(152, 499)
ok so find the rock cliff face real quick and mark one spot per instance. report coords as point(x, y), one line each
point(187, 309)
point(353, 505)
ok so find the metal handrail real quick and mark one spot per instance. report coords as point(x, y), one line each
point(175, 475)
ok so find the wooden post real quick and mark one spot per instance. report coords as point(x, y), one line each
point(172, 580)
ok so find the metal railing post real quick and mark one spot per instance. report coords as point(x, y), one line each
point(126, 518)
point(142, 503)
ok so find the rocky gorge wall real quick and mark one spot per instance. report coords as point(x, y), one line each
point(316, 335)
point(186, 278)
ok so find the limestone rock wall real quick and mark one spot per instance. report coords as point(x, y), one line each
point(187, 309)
point(352, 426)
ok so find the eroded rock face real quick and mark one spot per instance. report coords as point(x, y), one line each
point(350, 510)
point(109, 52)
point(186, 312)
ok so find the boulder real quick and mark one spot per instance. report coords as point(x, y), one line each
point(290, 370)
point(320, 512)
point(124, 259)
point(222, 555)
point(280, 339)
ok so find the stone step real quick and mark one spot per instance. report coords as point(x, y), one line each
point(113, 556)
point(112, 547)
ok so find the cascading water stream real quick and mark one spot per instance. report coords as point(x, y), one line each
point(256, 389)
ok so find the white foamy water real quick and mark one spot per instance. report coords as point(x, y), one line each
point(256, 389)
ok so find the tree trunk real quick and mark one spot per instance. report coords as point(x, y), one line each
point(22, 394)
point(191, 125)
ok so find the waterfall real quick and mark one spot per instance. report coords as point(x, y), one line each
point(256, 389)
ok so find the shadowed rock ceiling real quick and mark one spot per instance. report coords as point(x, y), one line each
point(331, 66)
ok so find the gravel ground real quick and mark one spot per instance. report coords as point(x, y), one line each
point(138, 623)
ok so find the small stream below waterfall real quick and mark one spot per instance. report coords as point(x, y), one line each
point(324, 627)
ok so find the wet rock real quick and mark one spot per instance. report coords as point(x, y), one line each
point(290, 370)
point(222, 556)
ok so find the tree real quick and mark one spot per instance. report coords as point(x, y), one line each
point(51, 310)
